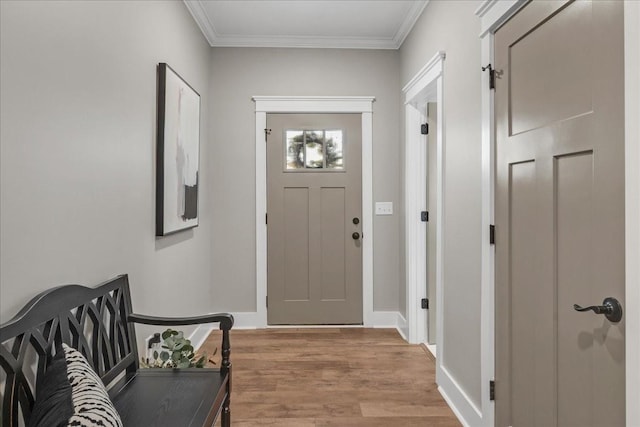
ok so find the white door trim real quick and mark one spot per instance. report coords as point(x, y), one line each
point(425, 86)
point(428, 86)
point(632, 201)
point(492, 14)
point(314, 104)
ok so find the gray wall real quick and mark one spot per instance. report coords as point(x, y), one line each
point(240, 73)
point(78, 147)
point(453, 27)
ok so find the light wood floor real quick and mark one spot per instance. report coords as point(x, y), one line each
point(339, 377)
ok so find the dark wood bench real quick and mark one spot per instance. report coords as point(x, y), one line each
point(100, 324)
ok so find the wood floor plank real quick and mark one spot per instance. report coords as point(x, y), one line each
point(388, 422)
point(333, 377)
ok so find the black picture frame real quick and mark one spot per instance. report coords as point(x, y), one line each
point(178, 153)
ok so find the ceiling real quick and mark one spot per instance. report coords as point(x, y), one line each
point(355, 24)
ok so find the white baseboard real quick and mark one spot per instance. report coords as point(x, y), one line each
point(246, 320)
point(381, 319)
point(201, 333)
point(468, 414)
point(403, 327)
point(241, 320)
point(384, 319)
point(431, 348)
point(393, 320)
point(250, 320)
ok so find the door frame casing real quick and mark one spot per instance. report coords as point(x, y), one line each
point(362, 105)
point(632, 207)
point(492, 15)
point(426, 86)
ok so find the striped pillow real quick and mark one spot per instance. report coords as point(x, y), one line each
point(91, 403)
point(72, 394)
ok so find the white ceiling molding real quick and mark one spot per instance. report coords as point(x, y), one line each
point(202, 19)
point(409, 22)
point(199, 11)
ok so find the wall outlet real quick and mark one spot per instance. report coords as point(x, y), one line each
point(384, 208)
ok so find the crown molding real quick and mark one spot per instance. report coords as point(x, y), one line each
point(484, 7)
point(409, 21)
point(197, 10)
point(304, 42)
point(202, 19)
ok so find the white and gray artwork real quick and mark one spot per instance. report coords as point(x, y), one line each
point(178, 144)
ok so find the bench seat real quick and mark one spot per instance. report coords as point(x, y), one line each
point(99, 323)
point(169, 398)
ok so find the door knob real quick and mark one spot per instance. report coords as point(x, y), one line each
point(610, 307)
point(355, 235)
point(356, 220)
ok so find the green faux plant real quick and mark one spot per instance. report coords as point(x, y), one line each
point(177, 352)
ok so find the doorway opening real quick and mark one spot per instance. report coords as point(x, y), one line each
point(423, 98)
point(431, 221)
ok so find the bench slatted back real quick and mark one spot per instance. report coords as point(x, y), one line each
point(92, 320)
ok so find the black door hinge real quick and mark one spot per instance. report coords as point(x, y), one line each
point(424, 216)
point(267, 132)
point(492, 234)
point(266, 219)
point(492, 390)
point(492, 76)
point(424, 129)
point(266, 301)
point(424, 303)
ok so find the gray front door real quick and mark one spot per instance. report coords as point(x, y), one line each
point(560, 215)
point(314, 205)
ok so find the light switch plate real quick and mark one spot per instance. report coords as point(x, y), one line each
point(384, 208)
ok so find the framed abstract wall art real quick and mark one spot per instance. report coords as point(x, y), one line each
point(178, 153)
